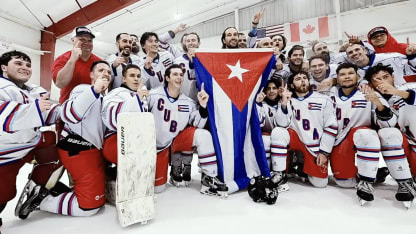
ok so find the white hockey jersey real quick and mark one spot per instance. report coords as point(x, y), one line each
point(164, 43)
point(400, 64)
point(20, 119)
point(116, 72)
point(355, 111)
point(117, 101)
point(172, 115)
point(189, 87)
point(313, 118)
point(405, 110)
point(82, 115)
point(154, 76)
point(272, 116)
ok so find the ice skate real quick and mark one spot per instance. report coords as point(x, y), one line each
point(365, 192)
point(35, 196)
point(176, 176)
point(382, 173)
point(213, 186)
point(280, 178)
point(24, 195)
point(186, 174)
point(406, 192)
point(110, 191)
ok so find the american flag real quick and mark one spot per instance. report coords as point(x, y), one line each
point(270, 31)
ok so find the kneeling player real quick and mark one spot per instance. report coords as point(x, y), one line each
point(79, 147)
point(402, 102)
point(173, 111)
point(128, 97)
point(272, 109)
point(23, 110)
point(312, 131)
point(356, 110)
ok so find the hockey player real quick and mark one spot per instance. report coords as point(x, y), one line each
point(402, 102)
point(296, 64)
point(229, 38)
point(24, 109)
point(323, 74)
point(123, 57)
point(356, 110)
point(174, 112)
point(402, 65)
point(189, 88)
point(128, 97)
point(79, 147)
point(272, 107)
point(154, 63)
point(312, 131)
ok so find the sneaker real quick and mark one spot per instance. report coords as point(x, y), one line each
point(34, 198)
point(365, 191)
point(213, 186)
point(406, 190)
point(175, 175)
point(186, 174)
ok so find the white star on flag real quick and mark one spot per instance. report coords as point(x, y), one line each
point(237, 71)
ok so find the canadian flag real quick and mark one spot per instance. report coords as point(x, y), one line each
point(310, 29)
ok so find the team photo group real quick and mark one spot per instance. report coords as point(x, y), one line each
point(255, 114)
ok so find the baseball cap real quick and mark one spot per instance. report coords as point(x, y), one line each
point(376, 30)
point(82, 30)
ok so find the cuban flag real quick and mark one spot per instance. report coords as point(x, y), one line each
point(233, 78)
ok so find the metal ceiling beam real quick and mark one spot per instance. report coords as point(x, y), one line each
point(84, 16)
point(94, 11)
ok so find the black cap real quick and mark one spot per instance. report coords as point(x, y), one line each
point(376, 30)
point(82, 30)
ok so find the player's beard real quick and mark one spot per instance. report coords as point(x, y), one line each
point(302, 89)
point(348, 86)
point(124, 52)
point(135, 49)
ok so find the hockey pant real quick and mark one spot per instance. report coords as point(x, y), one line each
point(393, 145)
point(47, 168)
point(281, 140)
point(364, 142)
point(185, 141)
point(110, 148)
point(87, 170)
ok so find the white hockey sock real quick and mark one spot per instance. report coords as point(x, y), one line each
point(278, 149)
point(206, 153)
point(266, 142)
point(393, 153)
point(65, 204)
point(396, 161)
point(368, 152)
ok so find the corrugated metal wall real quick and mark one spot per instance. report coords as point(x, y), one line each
point(279, 12)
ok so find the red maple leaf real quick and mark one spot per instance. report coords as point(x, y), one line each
point(309, 29)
